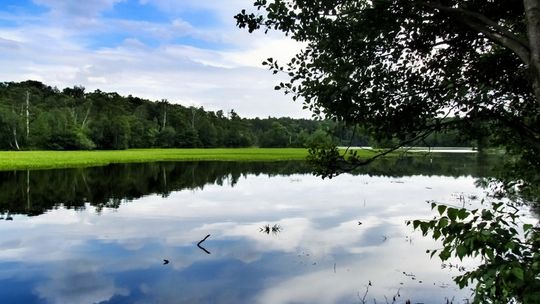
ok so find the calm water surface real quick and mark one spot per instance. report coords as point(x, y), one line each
point(102, 235)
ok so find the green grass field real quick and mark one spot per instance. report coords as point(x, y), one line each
point(20, 160)
point(11, 160)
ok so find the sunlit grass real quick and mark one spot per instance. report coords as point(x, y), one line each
point(10, 160)
point(17, 160)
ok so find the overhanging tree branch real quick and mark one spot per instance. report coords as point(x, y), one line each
point(476, 21)
point(493, 30)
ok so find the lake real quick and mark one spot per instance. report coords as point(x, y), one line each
point(130, 233)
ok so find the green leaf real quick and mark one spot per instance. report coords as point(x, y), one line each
point(462, 214)
point(445, 254)
point(443, 222)
point(452, 213)
point(489, 253)
point(527, 227)
point(518, 273)
point(424, 227)
point(461, 251)
point(487, 215)
point(441, 209)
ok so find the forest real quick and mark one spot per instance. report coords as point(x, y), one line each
point(35, 116)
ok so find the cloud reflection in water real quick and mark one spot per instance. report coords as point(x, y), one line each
point(117, 256)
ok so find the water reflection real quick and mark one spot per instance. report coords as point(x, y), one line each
point(73, 254)
point(274, 229)
point(35, 192)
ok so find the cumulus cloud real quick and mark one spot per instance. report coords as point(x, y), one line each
point(314, 238)
point(77, 9)
point(9, 44)
point(69, 285)
point(215, 66)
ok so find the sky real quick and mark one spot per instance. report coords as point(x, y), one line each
point(189, 52)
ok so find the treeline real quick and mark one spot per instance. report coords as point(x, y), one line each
point(36, 116)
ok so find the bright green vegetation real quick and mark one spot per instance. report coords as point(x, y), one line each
point(14, 160)
point(10, 160)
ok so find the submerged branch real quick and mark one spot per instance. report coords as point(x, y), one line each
point(201, 241)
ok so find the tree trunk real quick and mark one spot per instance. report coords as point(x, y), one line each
point(83, 124)
point(164, 117)
point(28, 205)
point(532, 18)
point(15, 138)
point(27, 117)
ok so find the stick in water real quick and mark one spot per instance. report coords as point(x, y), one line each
point(200, 242)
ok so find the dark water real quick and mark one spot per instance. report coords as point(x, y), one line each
point(277, 233)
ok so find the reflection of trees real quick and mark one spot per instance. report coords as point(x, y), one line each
point(432, 164)
point(34, 192)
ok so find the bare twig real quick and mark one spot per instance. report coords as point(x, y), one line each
point(200, 242)
point(363, 299)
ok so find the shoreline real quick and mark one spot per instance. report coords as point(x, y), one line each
point(48, 159)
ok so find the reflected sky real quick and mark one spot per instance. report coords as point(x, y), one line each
point(336, 236)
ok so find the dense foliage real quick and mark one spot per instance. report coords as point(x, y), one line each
point(400, 69)
point(73, 119)
point(510, 267)
point(397, 68)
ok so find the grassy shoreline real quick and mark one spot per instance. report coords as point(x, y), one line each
point(21, 160)
point(33, 160)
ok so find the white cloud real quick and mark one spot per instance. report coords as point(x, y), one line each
point(9, 44)
point(77, 9)
point(178, 73)
point(319, 231)
point(279, 49)
point(225, 9)
point(70, 285)
point(59, 49)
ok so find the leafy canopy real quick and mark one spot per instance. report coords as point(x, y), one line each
point(398, 67)
point(402, 68)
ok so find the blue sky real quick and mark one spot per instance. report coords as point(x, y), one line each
point(185, 51)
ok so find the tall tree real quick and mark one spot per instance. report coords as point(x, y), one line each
point(398, 67)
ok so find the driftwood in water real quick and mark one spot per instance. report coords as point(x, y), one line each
point(200, 242)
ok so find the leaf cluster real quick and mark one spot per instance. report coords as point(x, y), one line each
point(510, 268)
point(398, 68)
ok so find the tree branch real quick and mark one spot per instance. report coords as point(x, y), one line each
point(522, 52)
point(493, 30)
point(532, 14)
point(479, 17)
point(201, 247)
point(478, 22)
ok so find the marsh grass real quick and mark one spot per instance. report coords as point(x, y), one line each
point(22, 160)
point(12, 160)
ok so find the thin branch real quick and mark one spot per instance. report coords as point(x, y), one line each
point(477, 16)
point(518, 48)
point(476, 21)
point(352, 137)
point(201, 241)
point(363, 299)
